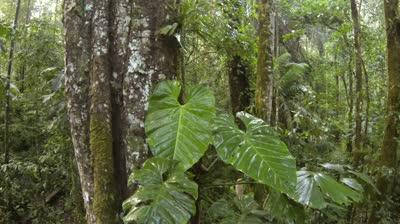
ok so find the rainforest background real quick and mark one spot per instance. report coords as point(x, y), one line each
point(199, 111)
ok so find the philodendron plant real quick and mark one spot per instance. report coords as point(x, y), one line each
point(179, 133)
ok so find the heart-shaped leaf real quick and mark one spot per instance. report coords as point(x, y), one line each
point(258, 152)
point(366, 179)
point(313, 188)
point(180, 131)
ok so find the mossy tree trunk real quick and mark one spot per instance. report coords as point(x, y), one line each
point(105, 204)
point(390, 143)
point(390, 140)
point(264, 81)
point(114, 56)
point(359, 83)
point(276, 54)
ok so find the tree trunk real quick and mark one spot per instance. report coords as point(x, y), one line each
point(77, 30)
point(349, 146)
point(114, 56)
point(25, 33)
point(367, 106)
point(264, 83)
point(390, 141)
point(388, 157)
point(359, 80)
point(274, 115)
point(8, 84)
point(152, 58)
point(239, 84)
point(292, 46)
point(337, 108)
point(105, 204)
point(238, 67)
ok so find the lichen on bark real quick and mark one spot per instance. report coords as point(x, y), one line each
point(77, 60)
point(152, 58)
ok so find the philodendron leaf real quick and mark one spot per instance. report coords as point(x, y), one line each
point(165, 196)
point(366, 179)
point(308, 191)
point(180, 131)
point(353, 183)
point(313, 188)
point(257, 152)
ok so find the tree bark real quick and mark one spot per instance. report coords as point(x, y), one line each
point(388, 158)
point(349, 146)
point(114, 57)
point(367, 106)
point(274, 115)
point(8, 84)
point(337, 108)
point(390, 140)
point(105, 204)
point(264, 80)
point(238, 68)
point(357, 153)
point(77, 35)
point(239, 84)
point(153, 58)
point(25, 33)
point(293, 46)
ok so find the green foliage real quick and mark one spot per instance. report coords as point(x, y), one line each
point(180, 131)
point(256, 151)
point(243, 210)
point(356, 179)
point(284, 209)
point(313, 189)
point(365, 179)
point(39, 184)
point(315, 47)
point(166, 194)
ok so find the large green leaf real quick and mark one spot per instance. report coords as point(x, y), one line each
point(353, 183)
point(365, 178)
point(176, 131)
point(313, 188)
point(257, 152)
point(165, 195)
